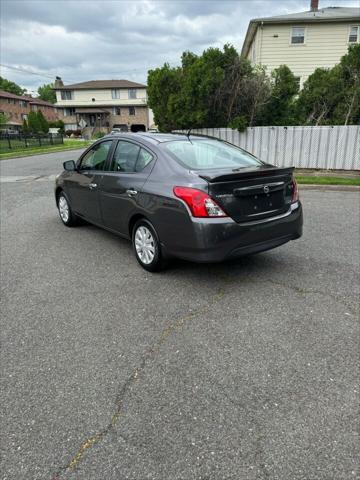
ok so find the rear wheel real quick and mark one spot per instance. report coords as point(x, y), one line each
point(147, 247)
point(66, 215)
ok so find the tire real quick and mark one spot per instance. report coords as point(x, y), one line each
point(147, 246)
point(67, 217)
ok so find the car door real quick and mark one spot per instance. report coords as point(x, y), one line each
point(85, 182)
point(121, 185)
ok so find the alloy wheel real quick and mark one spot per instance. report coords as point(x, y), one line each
point(144, 245)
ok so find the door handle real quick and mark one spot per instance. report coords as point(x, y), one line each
point(92, 186)
point(131, 192)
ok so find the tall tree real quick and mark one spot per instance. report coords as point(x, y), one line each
point(43, 123)
point(34, 123)
point(279, 109)
point(47, 93)
point(11, 87)
point(332, 96)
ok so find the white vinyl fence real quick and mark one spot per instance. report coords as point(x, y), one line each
point(333, 147)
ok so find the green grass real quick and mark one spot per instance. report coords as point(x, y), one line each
point(326, 180)
point(67, 145)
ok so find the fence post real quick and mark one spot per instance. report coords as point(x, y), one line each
point(39, 138)
point(51, 139)
point(8, 138)
point(26, 144)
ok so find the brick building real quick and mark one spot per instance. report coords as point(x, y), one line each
point(17, 108)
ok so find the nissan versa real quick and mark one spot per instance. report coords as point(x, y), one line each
point(186, 196)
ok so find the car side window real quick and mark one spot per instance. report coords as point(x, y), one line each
point(143, 160)
point(125, 157)
point(95, 158)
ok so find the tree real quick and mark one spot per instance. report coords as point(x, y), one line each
point(347, 111)
point(47, 93)
point(11, 87)
point(164, 84)
point(25, 126)
point(332, 96)
point(44, 125)
point(279, 109)
point(209, 89)
point(34, 123)
point(3, 119)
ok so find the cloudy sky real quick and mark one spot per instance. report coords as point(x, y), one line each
point(104, 39)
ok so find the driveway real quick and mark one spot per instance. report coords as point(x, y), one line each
point(244, 370)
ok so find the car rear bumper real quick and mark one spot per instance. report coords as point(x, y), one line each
point(217, 239)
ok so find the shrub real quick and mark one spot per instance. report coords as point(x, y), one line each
point(239, 123)
point(99, 135)
point(68, 133)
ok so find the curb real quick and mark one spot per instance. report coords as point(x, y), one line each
point(336, 188)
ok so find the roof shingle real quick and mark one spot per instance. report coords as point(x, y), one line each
point(101, 84)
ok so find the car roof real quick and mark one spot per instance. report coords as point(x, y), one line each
point(154, 138)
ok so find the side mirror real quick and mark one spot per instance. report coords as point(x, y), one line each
point(69, 166)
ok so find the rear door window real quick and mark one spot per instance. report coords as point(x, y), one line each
point(125, 157)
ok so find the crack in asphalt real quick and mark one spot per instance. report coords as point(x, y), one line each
point(150, 355)
point(134, 376)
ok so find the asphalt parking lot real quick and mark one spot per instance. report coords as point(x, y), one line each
point(244, 370)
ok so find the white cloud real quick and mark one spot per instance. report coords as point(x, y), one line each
point(92, 39)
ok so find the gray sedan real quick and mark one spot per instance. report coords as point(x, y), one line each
point(192, 197)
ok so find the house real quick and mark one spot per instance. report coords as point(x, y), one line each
point(100, 105)
point(17, 108)
point(303, 41)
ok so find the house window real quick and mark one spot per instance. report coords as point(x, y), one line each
point(68, 112)
point(132, 92)
point(131, 110)
point(354, 34)
point(115, 93)
point(24, 116)
point(34, 108)
point(66, 95)
point(298, 81)
point(12, 100)
point(116, 111)
point(297, 35)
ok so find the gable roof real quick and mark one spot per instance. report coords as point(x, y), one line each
point(328, 14)
point(25, 98)
point(5, 94)
point(101, 84)
point(37, 101)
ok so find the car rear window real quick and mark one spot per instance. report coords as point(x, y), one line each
point(201, 154)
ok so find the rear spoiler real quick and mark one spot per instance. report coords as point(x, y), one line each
point(246, 173)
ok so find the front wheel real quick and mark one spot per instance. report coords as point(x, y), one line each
point(147, 247)
point(66, 215)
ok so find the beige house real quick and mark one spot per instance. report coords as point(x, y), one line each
point(101, 105)
point(303, 41)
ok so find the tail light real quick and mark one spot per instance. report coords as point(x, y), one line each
point(295, 192)
point(199, 202)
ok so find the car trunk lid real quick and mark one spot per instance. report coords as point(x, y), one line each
point(251, 194)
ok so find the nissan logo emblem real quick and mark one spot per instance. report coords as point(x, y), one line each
point(266, 189)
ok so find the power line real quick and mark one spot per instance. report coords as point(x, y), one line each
point(27, 71)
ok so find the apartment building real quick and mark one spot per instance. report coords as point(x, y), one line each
point(16, 108)
point(303, 41)
point(100, 105)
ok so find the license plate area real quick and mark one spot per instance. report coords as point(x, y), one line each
point(259, 204)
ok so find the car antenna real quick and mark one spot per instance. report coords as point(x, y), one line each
point(188, 135)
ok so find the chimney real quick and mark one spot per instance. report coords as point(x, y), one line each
point(58, 82)
point(314, 5)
